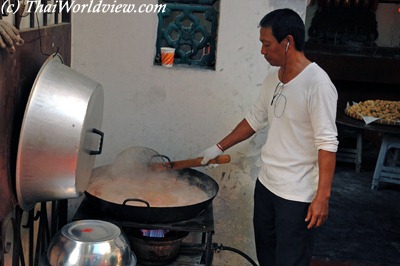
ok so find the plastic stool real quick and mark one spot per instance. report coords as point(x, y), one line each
point(387, 167)
point(353, 154)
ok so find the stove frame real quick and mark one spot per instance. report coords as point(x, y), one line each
point(202, 224)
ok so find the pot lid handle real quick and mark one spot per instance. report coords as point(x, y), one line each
point(101, 134)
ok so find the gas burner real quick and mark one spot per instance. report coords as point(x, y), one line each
point(157, 233)
point(157, 249)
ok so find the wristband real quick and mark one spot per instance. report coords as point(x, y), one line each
point(220, 147)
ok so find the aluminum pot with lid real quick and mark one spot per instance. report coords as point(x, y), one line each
point(60, 135)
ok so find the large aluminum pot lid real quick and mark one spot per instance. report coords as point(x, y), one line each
point(59, 135)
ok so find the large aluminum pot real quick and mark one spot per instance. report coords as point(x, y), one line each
point(59, 136)
point(91, 243)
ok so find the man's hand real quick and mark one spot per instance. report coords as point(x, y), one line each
point(209, 154)
point(9, 37)
point(317, 213)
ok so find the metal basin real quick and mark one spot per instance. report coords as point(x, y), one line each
point(91, 243)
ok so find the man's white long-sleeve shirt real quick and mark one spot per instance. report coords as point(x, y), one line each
point(300, 121)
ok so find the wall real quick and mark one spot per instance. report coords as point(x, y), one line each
point(179, 112)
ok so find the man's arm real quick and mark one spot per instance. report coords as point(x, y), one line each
point(319, 208)
point(241, 132)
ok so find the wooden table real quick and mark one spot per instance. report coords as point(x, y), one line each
point(384, 171)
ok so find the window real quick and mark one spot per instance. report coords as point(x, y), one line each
point(189, 26)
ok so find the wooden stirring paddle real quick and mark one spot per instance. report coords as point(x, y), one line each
point(177, 165)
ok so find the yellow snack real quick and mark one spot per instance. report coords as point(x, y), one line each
point(387, 111)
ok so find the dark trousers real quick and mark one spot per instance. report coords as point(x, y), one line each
point(281, 234)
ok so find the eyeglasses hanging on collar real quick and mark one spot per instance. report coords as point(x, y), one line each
point(279, 101)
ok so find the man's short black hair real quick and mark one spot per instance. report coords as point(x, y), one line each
point(284, 22)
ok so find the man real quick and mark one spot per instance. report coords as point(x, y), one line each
point(9, 37)
point(297, 104)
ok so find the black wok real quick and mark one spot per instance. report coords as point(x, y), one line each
point(149, 214)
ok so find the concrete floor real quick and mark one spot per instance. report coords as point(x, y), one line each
point(362, 228)
point(317, 261)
